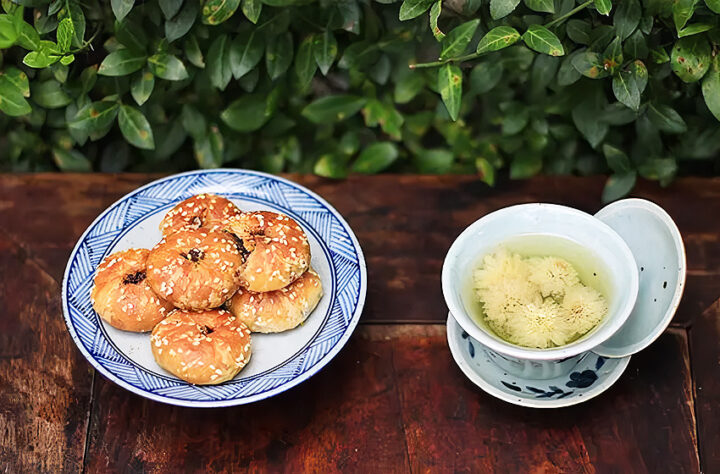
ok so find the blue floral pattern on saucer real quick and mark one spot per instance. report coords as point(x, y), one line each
point(592, 375)
point(345, 285)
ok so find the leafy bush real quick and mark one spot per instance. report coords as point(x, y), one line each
point(338, 86)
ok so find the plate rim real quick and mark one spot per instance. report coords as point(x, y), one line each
point(319, 365)
point(451, 325)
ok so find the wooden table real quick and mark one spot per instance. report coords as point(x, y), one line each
point(393, 400)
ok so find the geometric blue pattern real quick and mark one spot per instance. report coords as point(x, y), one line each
point(348, 268)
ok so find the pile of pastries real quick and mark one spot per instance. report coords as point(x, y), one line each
point(217, 275)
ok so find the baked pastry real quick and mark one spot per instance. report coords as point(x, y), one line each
point(207, 347)
point(202, 210)
point(275, 248)
point(195, 269)
point(279, 310)
point(122, 295)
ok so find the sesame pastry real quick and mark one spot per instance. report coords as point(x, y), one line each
point(202, 348)
point(195, 269)
point(122, 296)
point(202, 210)
point(279, 310)
point(275, 248)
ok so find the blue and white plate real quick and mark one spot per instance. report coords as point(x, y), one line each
point(279, 361)
point(591, 376)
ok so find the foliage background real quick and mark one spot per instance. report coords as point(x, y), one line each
point(494, 87)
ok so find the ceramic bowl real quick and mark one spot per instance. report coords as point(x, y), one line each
point(487, 233)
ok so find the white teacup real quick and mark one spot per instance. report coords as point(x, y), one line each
point(488, 233)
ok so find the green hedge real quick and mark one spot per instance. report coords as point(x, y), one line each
point(337, 86)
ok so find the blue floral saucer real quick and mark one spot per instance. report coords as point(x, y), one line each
point(279, 361)
point(592, 375)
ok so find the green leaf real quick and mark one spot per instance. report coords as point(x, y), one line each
point(193, 122)
point(585, 117)
point(18, 79)
point(542, 40)
point(434, 161)
point(8, 33)
point(40, 59)
point(95, 116)
point(525, 165)
point(218, 64)
point(498, 38)
point(626, 89)
point(245, 52)
point(435, 12)
point(325, 49)
point(170, 8)
point(385, 115)
point(142, 86)
point(122, 63)
point(713, 5)
point(305, 65)
point(458, 39)
point(711, 88)
point(603, 6)
point(407, 87)
point(682, 12)
point(70, 160)
point(121, 8)
point(613, 56)
point(28, 36)
point(413, 8)
point(694, 29)
point(279, 55)
point(248, 113)
point(515, 118)
point(67, 59)
point(618, 186)
point(331, 166)
point(49, 94)
point(178, 26)
point(485, 76)
point(640, 73)
point(567, 73)
point(666, 119)
point(135, 128)
point(12, 101)
point(502, 8)
point(627, 18)
point(215, 12)
point(690, 58)
point(193, 52)
point(333, 108)
point(75, 13)
point(252, 9)
point(617, 160)
point(209, 149)
point(636, 46)
point(359, 55)
point(380, 71)
point(545, 6)
point(131, 34)
point(166, 66)
point(486, 171)
point(659, 55)
point(450, 87)
point(375, 158)
point(578, 31)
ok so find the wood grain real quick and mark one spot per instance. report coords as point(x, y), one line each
point(705, 350)
point(393, 394)
point(46, 384)
point(394, 401)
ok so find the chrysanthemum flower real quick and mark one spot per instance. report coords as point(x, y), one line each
point(583, 308)
point(552, 275)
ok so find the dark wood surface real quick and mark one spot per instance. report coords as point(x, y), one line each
point(393, 400)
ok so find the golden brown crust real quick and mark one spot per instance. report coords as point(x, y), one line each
point(279, 310)
point(122, 296)
point(202, 348)
point(203, 210)
point(195, 269)
point(276, 248)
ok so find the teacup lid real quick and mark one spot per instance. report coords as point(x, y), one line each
point(657, 246)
